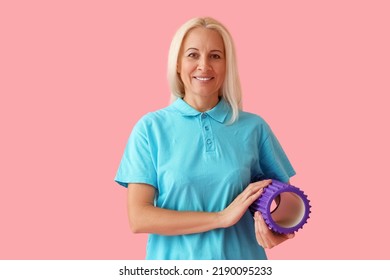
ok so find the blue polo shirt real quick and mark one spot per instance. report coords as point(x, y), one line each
point(199, 162)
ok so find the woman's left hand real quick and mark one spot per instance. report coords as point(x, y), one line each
point(266, 237)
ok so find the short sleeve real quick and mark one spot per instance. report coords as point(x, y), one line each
point(273, 160)
point(137, 165)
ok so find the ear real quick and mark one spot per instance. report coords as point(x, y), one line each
point(177, 69)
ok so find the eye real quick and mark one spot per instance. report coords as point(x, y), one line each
point(215, 56)
point(193, 55)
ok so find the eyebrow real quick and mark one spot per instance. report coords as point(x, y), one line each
point(198, 50)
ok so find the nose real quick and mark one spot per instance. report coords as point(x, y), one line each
point(204, 64)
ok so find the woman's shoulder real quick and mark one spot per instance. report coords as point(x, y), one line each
point(255, 124)
point(158, 116)
point(252, 118)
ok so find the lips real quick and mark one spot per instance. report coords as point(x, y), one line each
point(203, 79)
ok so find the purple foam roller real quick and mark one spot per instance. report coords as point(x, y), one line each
point(285, 208)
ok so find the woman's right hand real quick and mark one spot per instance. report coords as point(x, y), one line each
point(144, 217)
point(233, 213)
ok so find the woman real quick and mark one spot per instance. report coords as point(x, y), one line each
point(193, 168)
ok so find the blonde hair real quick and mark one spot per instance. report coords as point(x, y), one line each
point(231, 88)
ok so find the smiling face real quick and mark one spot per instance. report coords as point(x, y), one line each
point(202, 64)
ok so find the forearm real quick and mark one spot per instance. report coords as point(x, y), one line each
point(144, 217)
point(151, 219)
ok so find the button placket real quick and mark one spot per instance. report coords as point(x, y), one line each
point(207, 132)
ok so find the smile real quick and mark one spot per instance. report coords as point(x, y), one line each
point(204, 78)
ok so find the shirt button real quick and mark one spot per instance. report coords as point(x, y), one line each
point(208, 141)
point(204, 115)
point(206, 127)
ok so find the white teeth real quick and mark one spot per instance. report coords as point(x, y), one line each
point(203, 78)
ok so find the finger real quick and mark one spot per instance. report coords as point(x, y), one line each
point(265, 183)
point(270, 237)
point(290, 235)
point(254, 187)
point(253, 197)
point(256, 195)
point(259, 237)
point(252, 194)
point(260, 184)
point(263, 231)
point(263, 225)
point(280, 238)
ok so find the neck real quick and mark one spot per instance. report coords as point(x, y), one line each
point(202, 104)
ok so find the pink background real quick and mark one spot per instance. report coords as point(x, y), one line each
point(76, 75)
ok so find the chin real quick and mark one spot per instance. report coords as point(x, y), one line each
point(206, 93)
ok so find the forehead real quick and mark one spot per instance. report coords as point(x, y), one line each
point(203, 38)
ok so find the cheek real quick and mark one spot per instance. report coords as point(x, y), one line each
point(220, 68)
point(185, 74)
point(187, 68)
point(222, 73)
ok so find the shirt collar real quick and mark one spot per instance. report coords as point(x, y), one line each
point(218, 113)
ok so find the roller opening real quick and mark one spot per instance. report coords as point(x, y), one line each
point(287, 209)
